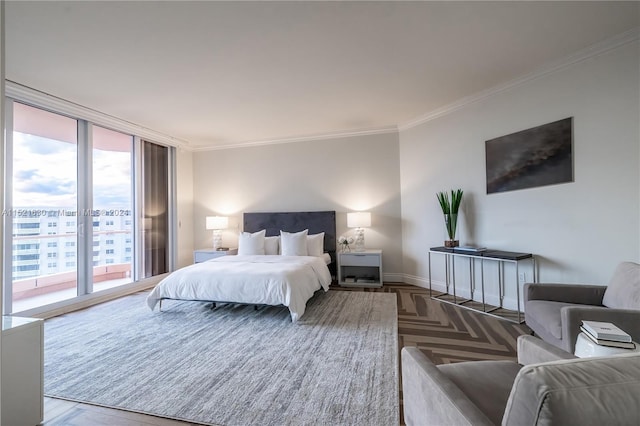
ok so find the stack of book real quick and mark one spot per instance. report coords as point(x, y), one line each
point(607, 334)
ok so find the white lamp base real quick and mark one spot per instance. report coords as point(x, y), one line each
point(217, 239)
point(359, 244)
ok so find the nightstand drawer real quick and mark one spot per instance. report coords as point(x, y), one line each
point(359, 259)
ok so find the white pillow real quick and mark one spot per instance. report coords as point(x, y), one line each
point(315, 244)
point(293, 244)
point(271, 245)
point(249, 244)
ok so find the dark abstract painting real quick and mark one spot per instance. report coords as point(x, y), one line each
point(534, 157)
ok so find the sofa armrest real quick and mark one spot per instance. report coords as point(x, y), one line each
point(568, 293)
point(430, 397)
point(532, 350)
point(572, 317)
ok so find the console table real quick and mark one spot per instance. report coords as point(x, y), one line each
point(500, 257)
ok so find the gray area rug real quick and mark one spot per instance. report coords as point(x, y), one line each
point(232, 365)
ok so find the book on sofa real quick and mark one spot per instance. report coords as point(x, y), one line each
point(609, 343)
point(605, 331)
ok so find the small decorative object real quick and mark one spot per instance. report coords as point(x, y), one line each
point(450, 211)
point(359, 220)
point(345, 242)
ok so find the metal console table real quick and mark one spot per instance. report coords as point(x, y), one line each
point(502, 257)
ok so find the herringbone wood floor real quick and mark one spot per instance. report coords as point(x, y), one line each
point(445, 333)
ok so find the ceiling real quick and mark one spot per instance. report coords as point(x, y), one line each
point(219, 74)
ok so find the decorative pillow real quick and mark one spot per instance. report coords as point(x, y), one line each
point(271, 245)
point(294, 244)
point(623, 291)
point(249, 244)
point(315, 244)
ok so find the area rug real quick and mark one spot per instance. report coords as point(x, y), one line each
point(232, 365)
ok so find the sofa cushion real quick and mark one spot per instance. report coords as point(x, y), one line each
point(486, 383)
point(547, 314)
point(623, 291)
point(588, 391)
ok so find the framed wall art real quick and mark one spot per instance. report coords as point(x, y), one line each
point(534, 157)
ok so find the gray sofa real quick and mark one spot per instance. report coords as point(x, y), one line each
point(555, 311)
point(547, 386)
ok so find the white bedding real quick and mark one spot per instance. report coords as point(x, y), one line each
point(269, 280)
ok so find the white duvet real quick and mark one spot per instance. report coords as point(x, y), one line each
point(268, 280)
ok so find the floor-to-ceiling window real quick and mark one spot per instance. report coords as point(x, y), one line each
point(43, 200)
point(112, 244)
point(71, 210)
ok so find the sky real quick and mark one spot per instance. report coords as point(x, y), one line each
point(45, 175)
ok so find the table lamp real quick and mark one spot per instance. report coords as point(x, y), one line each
point(217, 224)
point(359, 220)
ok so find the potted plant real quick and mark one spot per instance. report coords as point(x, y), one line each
point(450, 211)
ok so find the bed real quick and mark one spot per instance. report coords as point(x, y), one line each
point(288, 279)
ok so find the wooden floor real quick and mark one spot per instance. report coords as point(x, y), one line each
point(444, 332)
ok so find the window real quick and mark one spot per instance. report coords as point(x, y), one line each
point(55, 160)
point(44, 182)
point(24, 268)
point(22, 257)
point(28, 225)
point(26, 247)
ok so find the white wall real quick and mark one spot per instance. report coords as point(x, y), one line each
point(184, 201)
point(343, 174)
point(579, 230)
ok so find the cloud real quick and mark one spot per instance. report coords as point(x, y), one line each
point(45, 175)
point(49, 188)
point(24, 174)
point(44, 146)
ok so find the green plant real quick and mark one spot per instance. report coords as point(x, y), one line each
point(450, 210)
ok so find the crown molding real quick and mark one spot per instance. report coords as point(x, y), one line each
point(323, 136)
point(559, 65)
point(44, 100)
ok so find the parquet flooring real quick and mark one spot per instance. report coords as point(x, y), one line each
point(448, 333)
point(445, 333)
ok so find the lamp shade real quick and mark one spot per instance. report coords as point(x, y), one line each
point(359, 220)
point(217, 222)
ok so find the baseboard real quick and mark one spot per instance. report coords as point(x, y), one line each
point(393, 277)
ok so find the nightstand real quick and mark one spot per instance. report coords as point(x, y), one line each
point(207, 254)
point(360, 268)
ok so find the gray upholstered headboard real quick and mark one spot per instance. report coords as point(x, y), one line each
point(315, 222)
